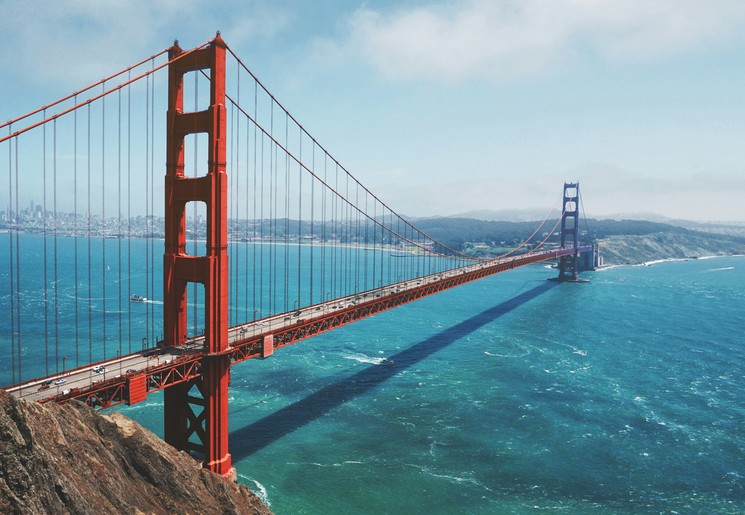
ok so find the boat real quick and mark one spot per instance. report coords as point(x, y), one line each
point(137, 298)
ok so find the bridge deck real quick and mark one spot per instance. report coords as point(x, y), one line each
point(160, 368)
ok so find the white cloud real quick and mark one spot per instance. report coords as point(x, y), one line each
point(507, 38)
point(75, 42)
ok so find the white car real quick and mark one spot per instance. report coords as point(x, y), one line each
point(60, 381)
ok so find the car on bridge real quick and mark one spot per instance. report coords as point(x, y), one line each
point(45, 385)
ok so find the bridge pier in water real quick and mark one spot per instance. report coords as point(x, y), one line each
point(571, 265)
point(196, 411)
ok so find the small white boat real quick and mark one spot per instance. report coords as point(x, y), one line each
point(137, 298)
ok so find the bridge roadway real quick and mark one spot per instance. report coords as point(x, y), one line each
point(107, 383)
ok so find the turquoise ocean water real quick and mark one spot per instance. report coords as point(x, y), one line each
point(508, 395)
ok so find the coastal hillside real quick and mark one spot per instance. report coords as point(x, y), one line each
point(69, 459)
point(637, 249)
point(621, 241)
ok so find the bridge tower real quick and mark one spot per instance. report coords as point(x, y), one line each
point(196, 411)
point(569, 265)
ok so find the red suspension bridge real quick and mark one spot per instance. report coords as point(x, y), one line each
point(310, 248)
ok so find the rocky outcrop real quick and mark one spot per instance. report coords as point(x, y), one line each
point(638, 249)
point(69, 459)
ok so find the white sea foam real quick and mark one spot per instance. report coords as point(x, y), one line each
point(363, 358)
point(144, 405)
point(658, 261)
point(260, 490)
point(327, 465)
point(499, 355)
point(448, 477)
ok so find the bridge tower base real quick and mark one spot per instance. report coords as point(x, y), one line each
point(196, 411)
point(570, 265)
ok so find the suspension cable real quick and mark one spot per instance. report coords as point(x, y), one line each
point(525, 242)
point(99, 96)
point(80, 91)
point(278, 146)
point(274, 100)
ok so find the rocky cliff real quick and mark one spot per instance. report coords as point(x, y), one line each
point(637, 249)
point(69, 459)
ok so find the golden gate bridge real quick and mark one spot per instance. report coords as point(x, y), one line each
point(268, 240)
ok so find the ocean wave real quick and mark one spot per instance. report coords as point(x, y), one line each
point(260, 489)
point(448, 477)
point(363, 358)
point(498, 355)
point(143, 405)
point(327, 465)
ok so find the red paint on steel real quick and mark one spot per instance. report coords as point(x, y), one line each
point(136, 389)
point(187, 369)
point(267, 348)
point(179, 269)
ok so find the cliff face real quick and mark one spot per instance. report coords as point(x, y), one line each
point(637, 249)
point(69, 459)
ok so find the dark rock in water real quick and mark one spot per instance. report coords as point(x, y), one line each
point(69, 459)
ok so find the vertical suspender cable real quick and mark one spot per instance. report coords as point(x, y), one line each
point(275, 216)
point(255, 172)
point(150, 305)
point(396, 262)
point(324, 286)
point(54, 232)
point(90, 216)
point(262, 274)
point(129, 218)
point(18, 277)
point(248, 244)
point(312, 220)
point(75, 226)
point(337, 239)
point(103, 216)
point(148, 232)
point(382, 244)
point(119, 218)
point(13, 216)
point(374, 243)
point(299, 218)
point(235, 172)
point(367, 242)
point(233, 185)
point(44, 225)
point(390, 247)
point(287, 215)
point(272, 218)
point(357, 239)
point(348, 210)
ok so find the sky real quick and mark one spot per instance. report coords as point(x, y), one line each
point(444, 107)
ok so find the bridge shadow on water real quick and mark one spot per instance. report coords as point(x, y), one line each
point(254, 437)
